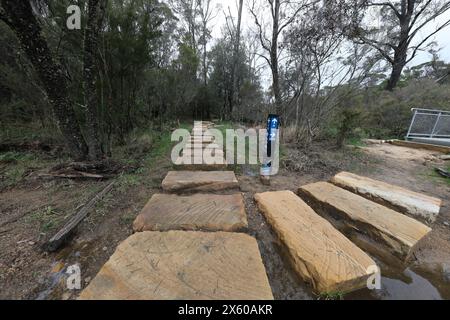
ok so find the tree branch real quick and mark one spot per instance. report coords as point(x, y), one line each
point(417, 48)
point(385, 4)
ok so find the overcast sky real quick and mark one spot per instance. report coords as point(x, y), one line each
point(442, 38)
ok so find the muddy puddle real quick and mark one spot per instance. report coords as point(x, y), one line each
point(77, 253)
point(408, 285)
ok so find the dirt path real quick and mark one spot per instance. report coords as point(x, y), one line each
point(27, 272)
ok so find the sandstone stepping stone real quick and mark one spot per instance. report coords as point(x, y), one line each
point(191, 166)
point(202, 156)
point(200, 141)
point(361, 218)
point(195, 146)
point(196, 212)
point(393, 196)
point(199, 181)
point(201, 166)
point(202, 146)
point(320, 254)
point(179, 265)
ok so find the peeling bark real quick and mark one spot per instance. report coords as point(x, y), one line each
point(18, 15)
point(96, 9)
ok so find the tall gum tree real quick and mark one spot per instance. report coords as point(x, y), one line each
point(96, 11)
point(282, 15)
point(397, 37)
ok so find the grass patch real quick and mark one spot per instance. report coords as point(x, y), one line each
point(436, 177)
point(331, 296)
point(161, 145)
point(356, 141)
point(21, 132)
point(127, 219)
point(48, 219)
point(14, 166)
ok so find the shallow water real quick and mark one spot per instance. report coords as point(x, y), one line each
point(407, 286)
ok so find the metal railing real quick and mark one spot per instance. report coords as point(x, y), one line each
point(429, 124)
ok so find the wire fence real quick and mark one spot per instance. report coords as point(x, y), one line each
point(430, 124)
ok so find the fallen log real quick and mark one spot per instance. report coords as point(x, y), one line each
point(442, 172)
point(63, 234)
point(26, 146)
point(76, 175)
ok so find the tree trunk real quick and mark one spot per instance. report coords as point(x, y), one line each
point(19, 17)
point(237, 42)
point(401, 50)
point(96, 10)
point(397, 68)
point(274, 59)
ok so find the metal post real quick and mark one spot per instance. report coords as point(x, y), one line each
point(435, 125)
point(412, 122)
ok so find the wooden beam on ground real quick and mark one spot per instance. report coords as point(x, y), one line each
point(63, 234)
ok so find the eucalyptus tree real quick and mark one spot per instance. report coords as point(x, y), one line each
point(281, 14)
point(20, 17)
point(405, 28)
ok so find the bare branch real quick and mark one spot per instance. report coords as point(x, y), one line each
point(418, 47)
point(386, 4)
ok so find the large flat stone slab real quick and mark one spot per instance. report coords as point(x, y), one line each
point(182, 265)
point(357, 216)
point(200, 159)
point(201, 139)
point(320, 254)
point(195, 212)
point(191, 166)
point(398, 198)
point(177, 181)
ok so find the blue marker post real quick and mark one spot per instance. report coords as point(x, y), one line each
point(273, 125)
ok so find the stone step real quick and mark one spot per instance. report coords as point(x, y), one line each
point(194, 158)
point(208, 123)
point(188, 181)
point(398, 198)
point(197, 156)
point(320, 254)
point(196, 212)
point(200, 130)
point(200, 141)
point(200, 137)
point(182, 265)
point(364, 220)
point(202, 167)
point(202, 146)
